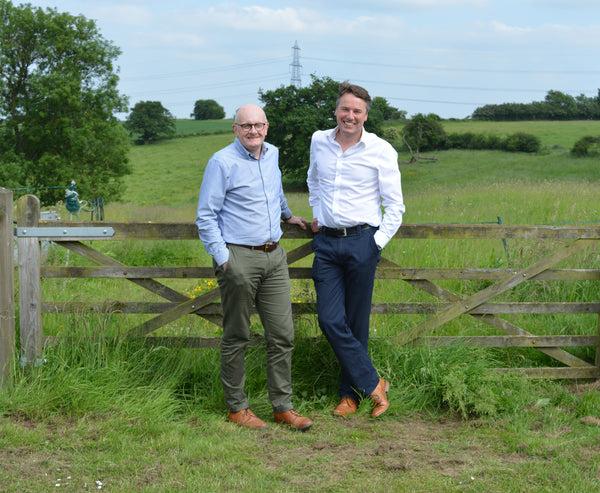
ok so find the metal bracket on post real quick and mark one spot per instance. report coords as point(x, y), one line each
point(92, 232)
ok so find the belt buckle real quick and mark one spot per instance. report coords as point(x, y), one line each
point(343, 232)
point(268, 245)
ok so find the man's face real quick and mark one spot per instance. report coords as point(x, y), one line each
point(251, 138)
point(351, 114)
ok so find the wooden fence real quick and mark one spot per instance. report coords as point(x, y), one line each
point(74, 235)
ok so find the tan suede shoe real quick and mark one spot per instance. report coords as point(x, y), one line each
point(247, 418)
point(346, 407)
point(294, 419)
point(379, 397)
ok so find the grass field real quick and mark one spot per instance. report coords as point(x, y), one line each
point(555, 135)
point(198, 127)
point(152, 420)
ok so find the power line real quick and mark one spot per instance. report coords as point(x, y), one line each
point(245, 82)
point(432, 101)
point(223, 68)
point(462, 88)
point(459, 69)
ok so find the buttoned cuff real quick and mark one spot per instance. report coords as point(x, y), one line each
point(286, 214)
point(221, 256)
point(381, 240)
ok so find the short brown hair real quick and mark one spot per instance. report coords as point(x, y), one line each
point(359, 92)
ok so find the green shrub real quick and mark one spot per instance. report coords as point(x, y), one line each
point(586, 146)
point(522, 142)
point(494, 142)
point(518, 142)
point(459, 379)
point(460, 141)
point(479, 141)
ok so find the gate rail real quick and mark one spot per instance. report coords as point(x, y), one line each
point(450, 306)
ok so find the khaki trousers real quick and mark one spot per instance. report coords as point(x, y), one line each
point(261, 279)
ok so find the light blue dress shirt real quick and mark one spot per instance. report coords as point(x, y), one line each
point(241, 200)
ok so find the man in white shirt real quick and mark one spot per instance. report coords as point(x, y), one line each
point(352, 174)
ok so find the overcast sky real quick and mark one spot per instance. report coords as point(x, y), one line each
point(424, 56)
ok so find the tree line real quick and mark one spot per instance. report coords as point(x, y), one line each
point(555, 106)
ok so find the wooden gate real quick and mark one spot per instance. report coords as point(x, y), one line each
point(449, 306)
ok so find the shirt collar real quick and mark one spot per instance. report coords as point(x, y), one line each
point(247, 154)
point(364, 136)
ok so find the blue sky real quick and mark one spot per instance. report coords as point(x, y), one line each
point(424, 56)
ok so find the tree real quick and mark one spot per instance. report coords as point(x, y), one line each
point(150, 121)
point(294, 115)
point(423, 133)
point(208, 109)
point(388, 112)
point(563, 106)
point(58, 96)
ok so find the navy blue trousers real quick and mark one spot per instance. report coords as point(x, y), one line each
point(343, 273)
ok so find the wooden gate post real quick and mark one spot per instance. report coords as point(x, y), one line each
point(7, 287)
point(30, 287)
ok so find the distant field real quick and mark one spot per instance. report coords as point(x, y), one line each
point(191, 127)
point(553, 134)
point(169, 173)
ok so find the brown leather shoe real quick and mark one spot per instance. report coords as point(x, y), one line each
point(247, 418)
point(379, 397)
point(294, 419)
point(346, 407)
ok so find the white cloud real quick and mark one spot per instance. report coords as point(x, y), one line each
point(397, 5)
point(552, 38)
point(231, 19)
point(253, 18)
point(505, 29)
point(565, 4)
point(125, 15)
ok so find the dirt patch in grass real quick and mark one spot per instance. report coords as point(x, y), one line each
point(386, 448)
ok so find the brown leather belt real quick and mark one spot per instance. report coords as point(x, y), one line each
point(267, 247)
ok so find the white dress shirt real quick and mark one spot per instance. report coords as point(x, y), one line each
point(349, 188)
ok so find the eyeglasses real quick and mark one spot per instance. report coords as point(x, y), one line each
point(246, 127)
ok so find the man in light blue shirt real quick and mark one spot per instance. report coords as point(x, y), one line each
point(240, 208)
